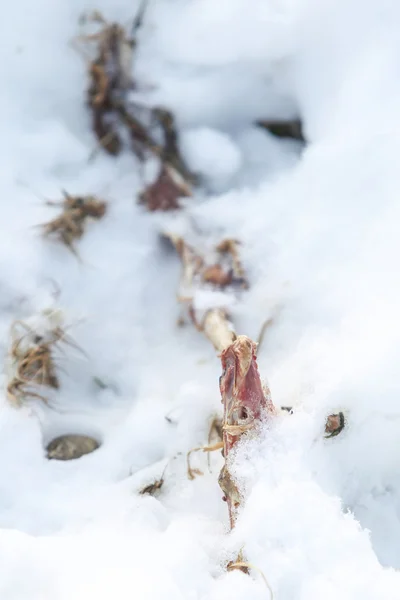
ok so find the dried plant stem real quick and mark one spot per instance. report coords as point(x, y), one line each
point(199, 274)
point(218, 329)
point(246, 402)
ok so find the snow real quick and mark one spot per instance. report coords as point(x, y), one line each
point(211, 154)
point(319, 233)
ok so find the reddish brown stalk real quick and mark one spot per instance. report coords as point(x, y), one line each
point(246, 401)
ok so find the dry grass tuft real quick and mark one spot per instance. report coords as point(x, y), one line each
point(31, 359)
point(70, 225)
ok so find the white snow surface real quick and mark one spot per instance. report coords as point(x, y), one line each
point(320, 241)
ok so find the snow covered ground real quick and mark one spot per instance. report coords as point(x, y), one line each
point(320, 233)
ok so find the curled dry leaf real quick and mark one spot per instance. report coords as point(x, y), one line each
point(334, 424)
point(165, 192)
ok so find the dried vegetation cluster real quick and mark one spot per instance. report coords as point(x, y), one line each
point(214, 269)
point(110, 53)
point(32, 361)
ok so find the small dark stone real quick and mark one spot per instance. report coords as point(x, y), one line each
point(71, 446)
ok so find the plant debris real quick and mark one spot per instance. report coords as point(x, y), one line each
point(70, 225)
point(153, 489)
point(31, 361)
point(221, 270)
point(71, 446)
point(109, 76)
point(114, 113)
point(165, 192)
point(245, 402)
point(334, 425)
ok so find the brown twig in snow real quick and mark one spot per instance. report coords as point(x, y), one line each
point(153, 488)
